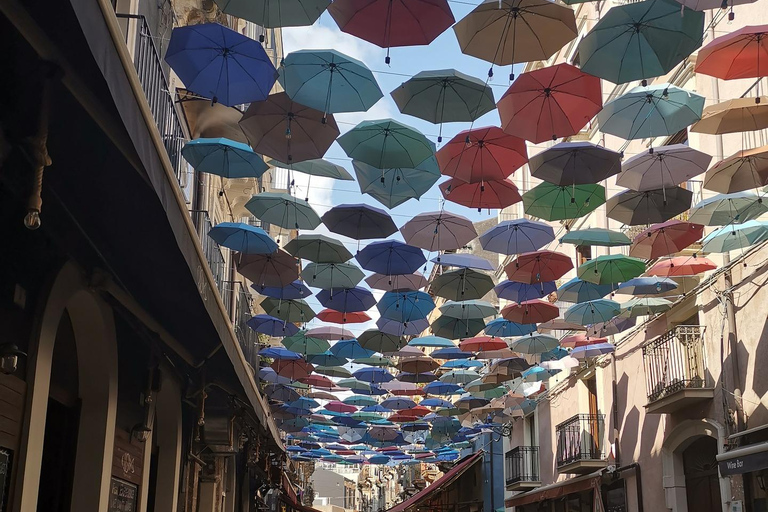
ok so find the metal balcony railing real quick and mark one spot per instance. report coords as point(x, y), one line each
point(675, 361)
point(248, 338)
point(522, 464)
point(580, 438)
point(213, 254)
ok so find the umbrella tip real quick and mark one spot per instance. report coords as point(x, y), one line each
point(261, 38)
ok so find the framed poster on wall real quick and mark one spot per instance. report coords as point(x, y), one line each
point(123, 496)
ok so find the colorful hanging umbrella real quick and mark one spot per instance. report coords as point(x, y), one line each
point(403, 282)
point(744, 170)
point(611, 269)
point(724, 209)
point(488, 194)
point(392, 23)
point(432, 342)
point(275, 13)
point(482, 154)
point(504, 328)
point(457, 328)
point(332, 275)
point(441, 388)
point(517, 236)
point(221, 64)
point(506, 32)
point(734, 116)
point(637, 208)
point(390, 257)
point(393, 187)
point(405, 306)
point(316, 167)
point(283, 210)
point(575, 163)
point(595, 350)
point(640, 40)
point(332, 371)
point(302, 343)
point(577, 290)
point(359, 400)
point(651, 111)
point(272, 326)
point(592, 312)
point(468, 309)
point(329, 81)
point(421, 364)
point(288, 131)
point(347, 300)
point(359, 221)
point(381, 342)
point(463, 261)
point(667, 166)
point(279, 353)
point(327, 358)
point(243, 238)
point(277, 269)
point(615, 326)
point(550, 103)
point(318, 249)
point(459, 376)
point(438, 231)
point(537, 267)
point(530, 312)
point(373, 375)
point(294, 290)
point(386, 144)
point(552, 202)
point(596, 236)
point(294, 310)
point(580, 340)
point(350, 349)
point(736, 236)
point(337, 317)
point(534, 344)
point(665, 238)
point(462, 284)
point(700, 5)
point(647, 286)
point(737, 54)
point(224, 157)
point(645, 306)
point(482, 343)
point(444, 96)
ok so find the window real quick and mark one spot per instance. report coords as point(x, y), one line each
point(583, 253)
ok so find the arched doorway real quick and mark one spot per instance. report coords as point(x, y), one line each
point(702, 484)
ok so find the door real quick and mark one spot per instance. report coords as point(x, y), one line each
point(702, 485)
point(593, 420)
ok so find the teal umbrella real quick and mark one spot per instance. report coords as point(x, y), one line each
point(444, 96)
point(468, 309)
point(551, 202)
point(724, 209)
point(577, 290)
point(611, 269)
point(318, 248)
point(294, 310)
point(393, 187)
point(329, 81)
point(596, 236)
point(304, 344)
point(316, 167)
point(592, 312)
point(431, 341)
point(283, 210)
point(643, 306)
point(224, 157)
point(640, 40)
point(650, 111)
point(275, 13)
point(736, 236)
point(332, 275)
point(386, 144)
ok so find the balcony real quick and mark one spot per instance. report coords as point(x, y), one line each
point(580, 444)
point(521, 466)
point(213, 255)
point(675, 371)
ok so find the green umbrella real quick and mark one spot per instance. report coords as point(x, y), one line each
point(551, 202)
point(444, 96)
point(611, 269)
point(275, 13)
point(643, 306)
point(374, 361)
point(735, 236)
point(386, 144)
point(456, 328)
point(318, 248)
point(360, 400)
point(640, 40)
point(494, 392)
point(724, 209)
point(477, 386)
point(462, 284)
point(333, 371)
point(468, 309)
point(380, 341)
point(459, 376)
point(354, 384)
point(304, 344)
point(393, 187)
point(534, 344)
point(592, 312)
point(332, 275)
point(293, 310)
point(596, 236)
point(366, 416)
point(317, 167)
point(283, 210)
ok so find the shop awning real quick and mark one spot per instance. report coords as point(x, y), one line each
point(439, 484)
point(557, 490)
point(752, 457)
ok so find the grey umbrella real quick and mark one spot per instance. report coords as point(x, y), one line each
point(649, 207)
point(462, 284)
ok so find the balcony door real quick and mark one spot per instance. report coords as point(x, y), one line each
point(594, 423)
point(702, 486)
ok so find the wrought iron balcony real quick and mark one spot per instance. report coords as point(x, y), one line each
point(521, 467)
point(248, 338)
point(216, 261)
point(675, 370)
point(580, 444)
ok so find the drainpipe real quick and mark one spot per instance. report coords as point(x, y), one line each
point(638, 482)
point(615, 407)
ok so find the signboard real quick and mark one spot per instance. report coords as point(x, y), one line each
point(127, 458)
point(6, 458)
point(123, 496)
point(744, 463)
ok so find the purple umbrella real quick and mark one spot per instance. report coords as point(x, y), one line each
point(517, 236)
point(398, 283)
point(613, 326)
point(347, 300)
point(597, 349)
point(295, 290)
point(399, 329)
point(520, 292)
point(439, 231)
point(463, 261)
point(272, 326)
point(359, 221)
point(330, 333)
point(391, 257)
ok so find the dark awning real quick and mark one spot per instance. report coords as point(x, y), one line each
point(557, 490)
point(752, 457)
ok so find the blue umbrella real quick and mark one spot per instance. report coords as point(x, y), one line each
point(295, 448)
point(219, 63)
point(243, 238)
point(279, 353)
point(373, 375)
point(280, 392)
point(304, 403)
point(462, 363)
point(555, 354)
point(405, 306)
point(504, 328)
point(432, 341)
point(538, 374)
point(224, 157)
point(390, 257)
point(435, 402)
point(463, 261)
point(359, 221)
point(347, 300)
point(269, 375)
point(396, 328)
point(295, 290)
point(577, 290)
point(375, 408)
point(520, 292)
point(647, 286)
point(398, 403)
point(394, 186)
point(350, 349)
point(441, 388)
point(450, 353)
point(272, 326)
point(517, 236)
point(592, 312)
point(378, 459)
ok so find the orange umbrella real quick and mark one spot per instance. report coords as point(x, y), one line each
point(481, 343)
point(734, 116)
point(482, 154)
point(530, 312)
point(580, 340)
point(745, 170)
point(741, 54)
point(681, 266)
point(538, 267)
point(488, 194)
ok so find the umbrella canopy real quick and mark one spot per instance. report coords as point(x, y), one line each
point(724, 209)
point(457, 328)
point(598, 349)
point(224, 157)
point(288, 131)
point(596, 236)
point(735, 237)
point(700, 5)
point(360, 400)
point(283, 210)
point(359, 221)
point(390, 257)
point(614, 326)
point(326, 359)
point(737, 54)
point(277, 269)
point(534, 344)
point(611, 269)
point(501, 327)
point(575, 163)
point(381, 342)
point(316, 167)
point(347, 300)
point(647, 286)
point(640, 40)
point(592, 312)
point(275, 13)
point(462, 284)
point(295, 290)
point(402, 282)
point(651, 111)
point(681, 266)
point(459, 376)
point(333, 371)
point(441, 388)
point(318, 249)
point(496, 194)
point(538, 267)
point(329, 81)
point(405, 306)
point(279, 353)
point(243, 238)
point(530, 312)
point(301, 342)
point(744, 170)
point(332, 275)
point(506, 32)
point(482, 343)
point(645, 306)
point(463, 261)
point(580, 340)
point(665, 238)
point(734, 116)
point(468, 309)
point(386, 144)
point(577, 290)
point(221, 64)
point(337, 317)
point(553, 202)
point(272, 326)
point(637, 208)
point(667, 166)
point(550, 103)
point(420, 364)
point(294, 310)
point(392, 187)
point(517, 236)
point(482, 154)
point(392, 23)
point(350, 349)
point(431, 341)
point(373, 375)
point(438, 231)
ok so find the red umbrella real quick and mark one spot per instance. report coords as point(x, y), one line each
point(538, 267)
point(417, 411)
point(489, 194)
point(278, 269)
point(482, 343)
point(742, 53)
point(550, 103)
point(340, 407)
point(293, 369)
point(665, 238)
point(579, 340)
point(402, 417)
point(530, 312)
point(317, 381)
point(482, 154)
point(390, 23)
point(337, 317)
point(681, 266)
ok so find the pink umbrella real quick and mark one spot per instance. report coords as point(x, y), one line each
point(489, 194)
point(337, 406)
point(399, 388)
point(530, 312)
point(682, 266)
point(330, 333)
point(438, 231)
point(482, 154)
point(580, 340)
point(665, 238)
